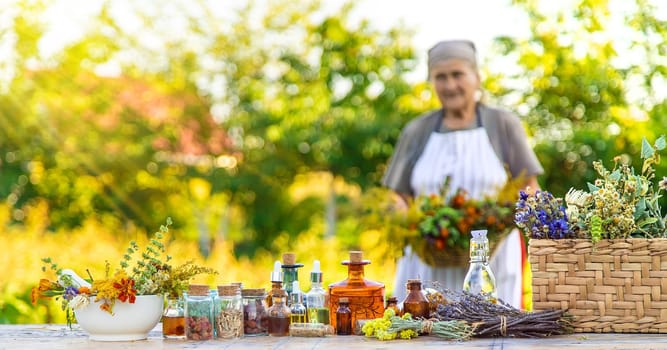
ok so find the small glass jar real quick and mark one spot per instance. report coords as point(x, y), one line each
point(343, 317)
point(255, 312)
point(198, 313)
point(173, 318)
point(392, 303)
point(279, 315)
point(415, 302)
point(228, 312)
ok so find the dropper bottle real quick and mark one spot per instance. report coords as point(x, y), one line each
point(298, 311)
point(276, 281)
point(317, 301)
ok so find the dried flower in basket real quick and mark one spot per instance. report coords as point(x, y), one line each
point(541, 215)
point(621, 203)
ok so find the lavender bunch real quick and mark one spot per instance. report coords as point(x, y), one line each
point(541, 215)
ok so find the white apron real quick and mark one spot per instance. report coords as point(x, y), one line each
point(469, 159)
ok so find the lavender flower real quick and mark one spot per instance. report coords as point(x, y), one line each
point(70, 293)
point(542, 216)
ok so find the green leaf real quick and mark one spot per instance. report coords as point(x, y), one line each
point(592, 188)
point(660, 143)
point(647, 150)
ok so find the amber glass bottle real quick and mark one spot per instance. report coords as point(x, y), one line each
point(279, 315)
point(392, 303)
point(343, 317)
point(415, 302)
point(366, 297)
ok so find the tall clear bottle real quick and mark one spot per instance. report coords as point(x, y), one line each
point(317, 301)
point(365, 297)
point(480, 279)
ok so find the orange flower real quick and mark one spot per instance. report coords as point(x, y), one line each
point(39, 292)
point(106, 307)
point(84, 290)
point(127, 291)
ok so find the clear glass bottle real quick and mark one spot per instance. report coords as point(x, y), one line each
point(279, 315)
point(290, 273)
point(255, 312)
point(415, 301)
point(228, 312)
point(392, 303)
point(343, 317)
point(173, 318)
point(366, 297)
point(480, 279)
point(198, 313)
point(276, 281)
point(297, 310)
point(317, 301)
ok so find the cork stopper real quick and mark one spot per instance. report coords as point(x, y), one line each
point(356, 257)
point(289, 259)
point(343, 300)
point(228, 290)
point(198, 289)
point(253, 292)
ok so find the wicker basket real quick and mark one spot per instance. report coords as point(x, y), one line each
point(616, 286)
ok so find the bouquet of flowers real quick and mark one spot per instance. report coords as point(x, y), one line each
point(148, 273)
point(443, 222)
point(619, 204)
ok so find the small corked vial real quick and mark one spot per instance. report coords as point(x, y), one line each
point(198, 313)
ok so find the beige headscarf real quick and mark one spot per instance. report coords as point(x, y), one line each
point(444, 50)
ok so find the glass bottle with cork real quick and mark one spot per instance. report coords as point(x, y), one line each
point(228, 312)
point(198, 313)
point(255, 312)
point(290, 273)
point(415, 301)
point(365, 297)
point(173, 318)
point(317, 300)
point(480, 279)
point(276, 281)
point(343, 317)
point(279, 315)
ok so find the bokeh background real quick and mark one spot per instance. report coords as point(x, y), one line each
point(262, 127)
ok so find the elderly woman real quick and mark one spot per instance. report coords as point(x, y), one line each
point(471, 143)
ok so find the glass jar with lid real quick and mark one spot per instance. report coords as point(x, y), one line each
point(198, 313)
point(228, 312)
point(255, 312)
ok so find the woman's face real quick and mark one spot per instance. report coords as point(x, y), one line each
point(455, 82)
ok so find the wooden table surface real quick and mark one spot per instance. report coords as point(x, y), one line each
point(60, 337)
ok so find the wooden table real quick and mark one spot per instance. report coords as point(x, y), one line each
point(59, 337)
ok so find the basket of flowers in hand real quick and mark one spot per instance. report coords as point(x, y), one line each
point(601, 253)
point(441, 224)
